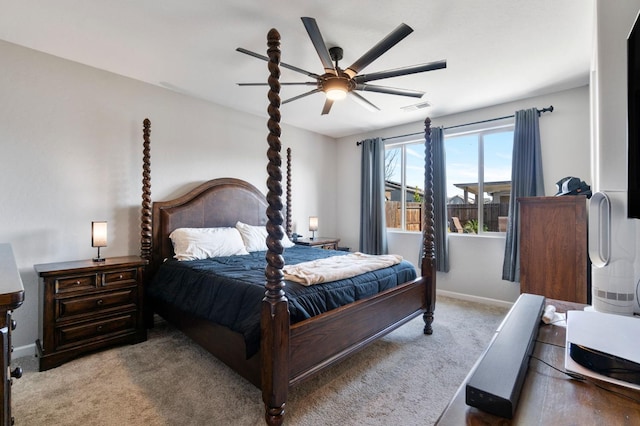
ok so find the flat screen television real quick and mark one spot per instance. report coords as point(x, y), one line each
point(633, 121)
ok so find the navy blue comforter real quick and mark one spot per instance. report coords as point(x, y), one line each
point(229, 290)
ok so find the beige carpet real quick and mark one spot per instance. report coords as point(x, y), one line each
point(406, 378)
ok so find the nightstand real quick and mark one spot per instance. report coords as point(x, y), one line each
point(87, 306)
point(328, 243)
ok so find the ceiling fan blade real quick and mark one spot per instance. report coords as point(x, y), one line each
point(362, 101)
point(318, 42)
point(376, 51)
point(306, 83)
point(389, 90)
point(397, 72)
point(282, 64)
point(328, 103)
point(310, 92)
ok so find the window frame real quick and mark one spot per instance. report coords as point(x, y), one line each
point(402, 144)
point(482, 130)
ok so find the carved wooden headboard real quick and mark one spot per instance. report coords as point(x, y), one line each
point(218, 202)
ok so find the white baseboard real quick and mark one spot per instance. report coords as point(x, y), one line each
point(24, 351)
point(472, 298)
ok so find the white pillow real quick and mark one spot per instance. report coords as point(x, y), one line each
point(202, 243)
point(255, 237)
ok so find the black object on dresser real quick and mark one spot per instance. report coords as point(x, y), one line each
point(87, 306)
point(11, 297)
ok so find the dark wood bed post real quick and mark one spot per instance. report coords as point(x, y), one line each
point(145, 217)
point(274, 322)
point(288, 217)
point(146, 233)
point(428, 264)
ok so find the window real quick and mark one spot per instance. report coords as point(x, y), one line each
point(404, 185)
point(478, 161)
point(478, 165)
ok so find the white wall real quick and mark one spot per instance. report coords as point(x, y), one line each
point(71, 140)
point(476, 262)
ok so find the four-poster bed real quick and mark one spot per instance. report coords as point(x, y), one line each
point(290, 348)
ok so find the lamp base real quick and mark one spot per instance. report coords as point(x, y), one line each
point(98, 258)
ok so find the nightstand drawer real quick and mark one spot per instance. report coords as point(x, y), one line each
point(80, 333)
point(95, 304)
point(118, 278)
point(76, 283)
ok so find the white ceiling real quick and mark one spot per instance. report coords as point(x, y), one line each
point(496, 50)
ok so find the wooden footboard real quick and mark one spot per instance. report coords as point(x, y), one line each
point(333, 335)
point(340, 332)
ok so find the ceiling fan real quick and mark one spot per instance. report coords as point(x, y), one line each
point(336, 82)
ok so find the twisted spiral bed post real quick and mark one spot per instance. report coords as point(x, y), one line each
point(428, 260)
point(274, 343)
point(145, 217)
point(288, 227)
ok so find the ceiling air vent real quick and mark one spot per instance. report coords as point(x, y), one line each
point(415, 107)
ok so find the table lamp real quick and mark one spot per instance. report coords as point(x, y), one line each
point(98, 238)
point(313, 225)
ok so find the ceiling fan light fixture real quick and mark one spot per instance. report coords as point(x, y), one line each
point(335, 88)
point(336, 82)
point(336, 94)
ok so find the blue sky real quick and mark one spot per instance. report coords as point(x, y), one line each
point(462, 160)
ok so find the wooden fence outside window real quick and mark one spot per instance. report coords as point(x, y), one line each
point(494, 215)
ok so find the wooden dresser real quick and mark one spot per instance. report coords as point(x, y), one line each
point(11, 297)
point(553, 248)
point(89, 305)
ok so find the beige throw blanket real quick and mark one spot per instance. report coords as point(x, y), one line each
point(338, 267)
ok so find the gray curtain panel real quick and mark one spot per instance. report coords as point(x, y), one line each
point(440, 200)
point(526, 181)
point(373, 232)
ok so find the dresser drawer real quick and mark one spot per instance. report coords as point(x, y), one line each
point(76, 283)
point(96, 303)
point(81, 333)
point(120, 278)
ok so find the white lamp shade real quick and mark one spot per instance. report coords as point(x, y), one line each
point(98, 234)
point(313, 223)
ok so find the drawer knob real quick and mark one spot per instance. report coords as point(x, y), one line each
point(120, 276)
point(99, 328)
point(16, 372)
point(99, 302)
point(77, 282)
point(14, 324)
